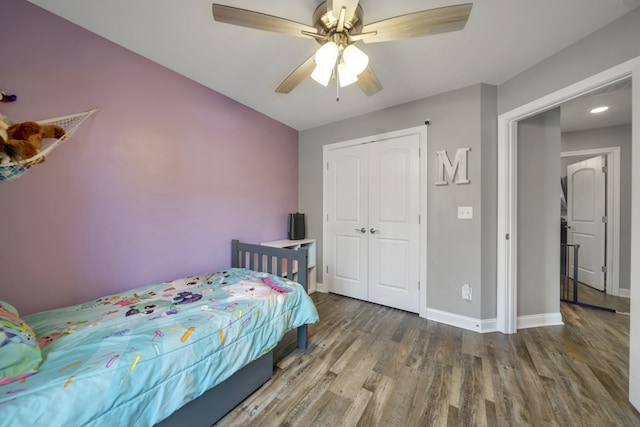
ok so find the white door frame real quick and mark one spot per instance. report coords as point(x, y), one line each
point(422, 131)
point(507, 257)
point(613, 212)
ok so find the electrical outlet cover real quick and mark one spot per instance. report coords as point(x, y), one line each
point(466, 292)
point(465, 212)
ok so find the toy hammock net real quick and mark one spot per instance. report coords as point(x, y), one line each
point(69, 123)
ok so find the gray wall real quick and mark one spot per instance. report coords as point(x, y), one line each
point(489, 155)
point(538, 214)
point(614, 136)
point(457, 250)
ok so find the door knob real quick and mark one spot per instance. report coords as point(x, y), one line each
point(374, 231)
point(361, 230)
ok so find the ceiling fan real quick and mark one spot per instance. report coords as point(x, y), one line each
point(337, 26)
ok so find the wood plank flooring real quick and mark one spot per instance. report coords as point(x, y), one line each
point(369, 365)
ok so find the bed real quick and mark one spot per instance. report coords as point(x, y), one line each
point(183, 352)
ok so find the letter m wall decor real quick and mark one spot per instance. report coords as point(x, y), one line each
point(458, 170)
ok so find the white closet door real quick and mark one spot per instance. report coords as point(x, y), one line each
point(394, 173)
point(373, 207)
point(347, 198)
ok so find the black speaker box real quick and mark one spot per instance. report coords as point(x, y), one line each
point(296, 229)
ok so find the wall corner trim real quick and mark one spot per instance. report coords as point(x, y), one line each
point(320, 287)
point(463, 322)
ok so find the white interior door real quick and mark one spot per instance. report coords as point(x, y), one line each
point(347, 209)
point(586, 210)
point(393, 223)
point(373, 230)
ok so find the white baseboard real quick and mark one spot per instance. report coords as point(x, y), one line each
point(624, 293)
point(464, 322)
point(490, 325)
point(537, 320)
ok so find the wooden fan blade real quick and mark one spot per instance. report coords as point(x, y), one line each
point(298, 75)
point(418, 24)
point(335, 6)
point(260, 21)
point(368, 82)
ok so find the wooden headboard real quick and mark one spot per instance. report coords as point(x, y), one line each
point(278, 261)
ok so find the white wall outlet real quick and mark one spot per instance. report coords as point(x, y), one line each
point(466, 292)
point(465, 212)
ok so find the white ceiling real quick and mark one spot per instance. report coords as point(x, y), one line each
point(502, 38)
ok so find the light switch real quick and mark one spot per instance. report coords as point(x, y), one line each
point(465, 212)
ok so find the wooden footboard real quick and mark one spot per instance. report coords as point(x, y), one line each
point(288, 263)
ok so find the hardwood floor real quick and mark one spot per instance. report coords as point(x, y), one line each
point(369, 365)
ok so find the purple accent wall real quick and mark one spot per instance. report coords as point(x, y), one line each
point(151, 188)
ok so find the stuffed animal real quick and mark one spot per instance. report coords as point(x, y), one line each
point(4, 125)
point(25, 139)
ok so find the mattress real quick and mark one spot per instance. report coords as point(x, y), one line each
point(136, 357)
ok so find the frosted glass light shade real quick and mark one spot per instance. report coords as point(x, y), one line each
point(327, 56)
point(345, 76)
point(321, 76)
point(355, 59)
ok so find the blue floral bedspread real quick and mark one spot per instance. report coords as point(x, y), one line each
point(134, 358)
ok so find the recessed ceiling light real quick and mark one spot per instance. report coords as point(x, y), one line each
point(599, 109)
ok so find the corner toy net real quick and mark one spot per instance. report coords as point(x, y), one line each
point(70, 123)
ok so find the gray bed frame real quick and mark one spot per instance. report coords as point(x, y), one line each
point(207, 409)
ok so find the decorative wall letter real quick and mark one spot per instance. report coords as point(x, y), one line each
point(459, 166)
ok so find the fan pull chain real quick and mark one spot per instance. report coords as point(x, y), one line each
point(335, 73)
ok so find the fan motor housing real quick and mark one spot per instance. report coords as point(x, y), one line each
point(326, 23)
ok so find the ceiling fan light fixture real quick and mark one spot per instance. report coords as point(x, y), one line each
point(339, 23)
point(327, 56)
point(356, 60)
point(345, 75)
point(322, 76)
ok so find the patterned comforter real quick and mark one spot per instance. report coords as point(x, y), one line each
point(136, 357)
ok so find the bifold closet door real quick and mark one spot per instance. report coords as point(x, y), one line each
point(373, 221)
